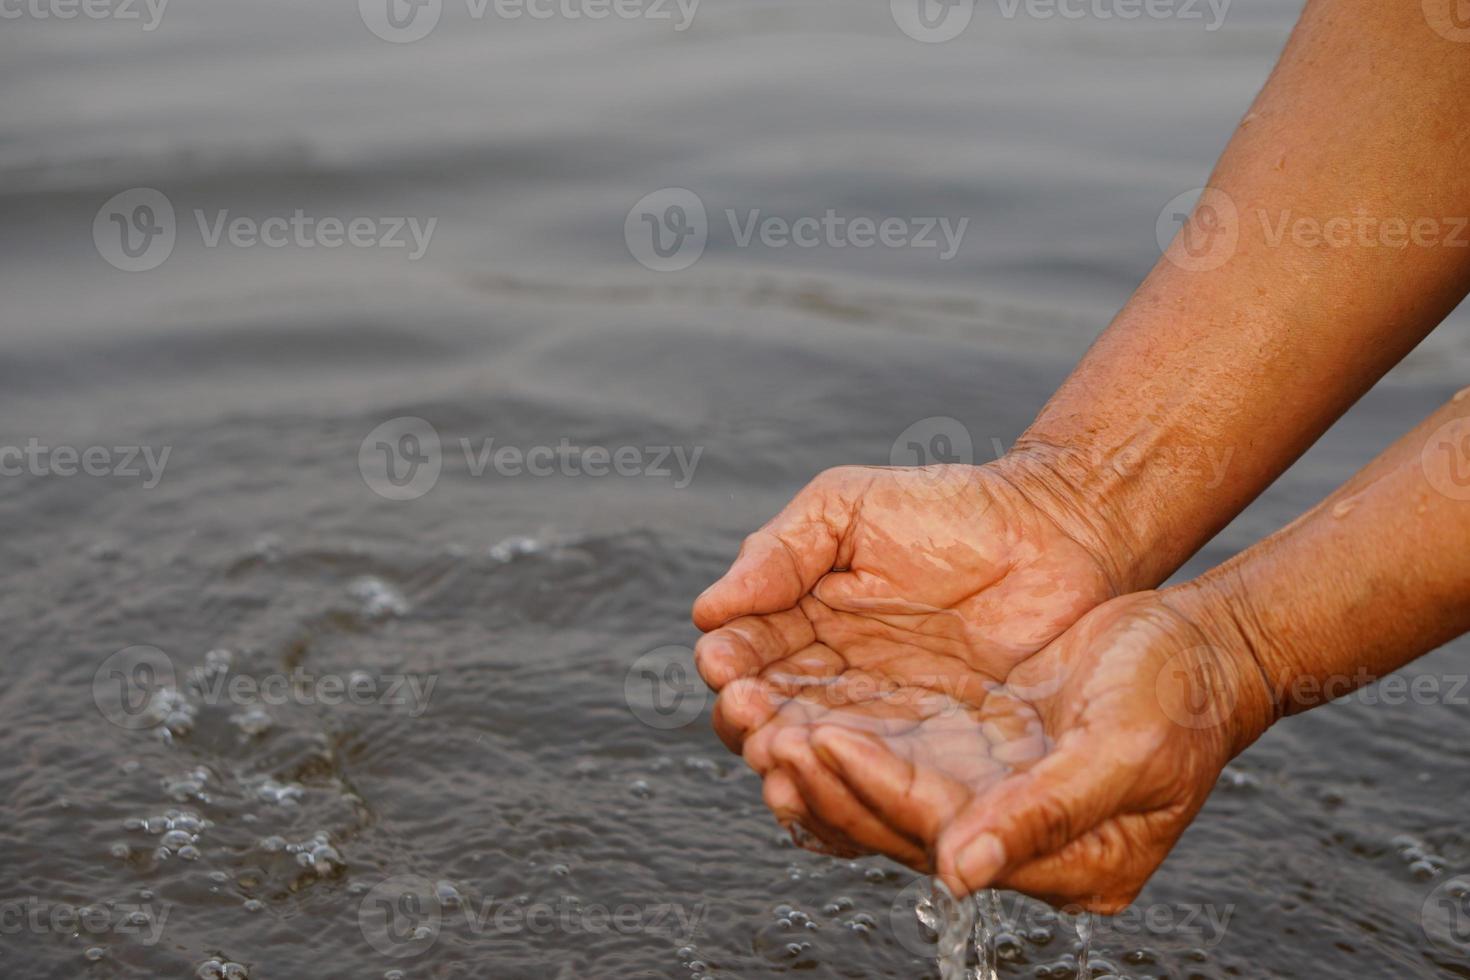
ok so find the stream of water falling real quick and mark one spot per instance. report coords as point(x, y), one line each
point(957, 923)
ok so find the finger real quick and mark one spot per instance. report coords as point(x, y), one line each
point(741, 709)
point(780, 563)
point(1103, 870)
point(807, 830)
point(829, 799)
point(917, 803)
point(746, 645)
point(1026, 816)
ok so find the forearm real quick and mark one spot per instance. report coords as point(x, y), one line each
point(1357, 587)
point(1228, 363)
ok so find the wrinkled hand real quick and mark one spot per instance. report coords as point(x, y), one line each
point(1070, 782)
point(878, 598)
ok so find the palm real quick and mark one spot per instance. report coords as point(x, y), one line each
point(1087, 763)
point(890, 601)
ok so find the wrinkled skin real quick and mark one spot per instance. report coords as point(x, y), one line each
point(881, 653)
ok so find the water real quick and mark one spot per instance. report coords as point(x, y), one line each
point(489, 800)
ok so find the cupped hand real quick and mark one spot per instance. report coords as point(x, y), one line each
point(926, 586)
point(1071, 781)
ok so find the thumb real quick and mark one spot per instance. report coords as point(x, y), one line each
point(1026, 816)
point(780, 563)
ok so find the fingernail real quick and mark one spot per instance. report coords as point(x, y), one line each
point(979, 861)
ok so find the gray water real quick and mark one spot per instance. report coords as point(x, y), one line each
point(499, 817)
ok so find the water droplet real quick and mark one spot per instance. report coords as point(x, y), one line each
point(514, 547)
point(95, 953)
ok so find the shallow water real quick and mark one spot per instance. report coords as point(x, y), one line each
point(504, 785)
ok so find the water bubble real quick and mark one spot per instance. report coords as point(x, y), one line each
point(121, 851)
point(393, 975)
point(1039, 936)
point(322, 858)
point(175, 839)
point(254, 905)
point(210, 970)
point(189, 853)
point(514, 547)
point(1008, 948)
point(95, 953)
point(272, 844)
point(1423, 870)
point(641, 789)
point(379, 599)
point(281, 794)
point(560, 870)
point(253, 721)
point(875, 875)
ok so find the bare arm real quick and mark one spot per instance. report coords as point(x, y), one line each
point(1331, 241)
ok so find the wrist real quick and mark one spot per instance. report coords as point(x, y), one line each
point(1220, 610)
point(1059, 483)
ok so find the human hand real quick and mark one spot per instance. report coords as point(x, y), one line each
point(871, 577)
point(1070, 782)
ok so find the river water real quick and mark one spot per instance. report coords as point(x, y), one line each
point(468, 776)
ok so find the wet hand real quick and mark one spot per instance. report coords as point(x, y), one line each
point(935, 581)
